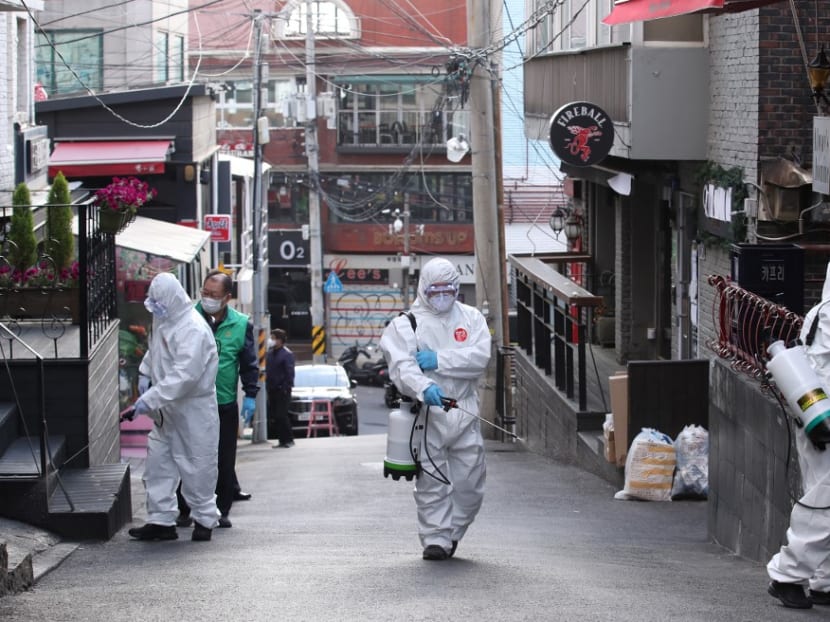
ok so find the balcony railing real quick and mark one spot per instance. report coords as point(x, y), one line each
point(63, 319)
point(553, 316)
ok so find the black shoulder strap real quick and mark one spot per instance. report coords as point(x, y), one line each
point(411, 319)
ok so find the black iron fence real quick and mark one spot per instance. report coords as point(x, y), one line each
point(62, 308)
point(553, 317)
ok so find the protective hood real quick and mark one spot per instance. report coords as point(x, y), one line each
point(437, 270)
point(166, 289)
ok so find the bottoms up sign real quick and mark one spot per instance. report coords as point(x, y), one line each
point(821, 155)
point(581, 134)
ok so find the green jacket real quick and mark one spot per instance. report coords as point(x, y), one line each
point(237, 355)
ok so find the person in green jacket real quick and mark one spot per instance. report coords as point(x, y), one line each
point(234, 335)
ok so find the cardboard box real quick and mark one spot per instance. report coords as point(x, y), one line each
point(618, 388)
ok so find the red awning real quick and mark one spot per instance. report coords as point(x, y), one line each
point(641, 10)
point(105, 158)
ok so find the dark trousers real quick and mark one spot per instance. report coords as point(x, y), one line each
point(226, 482)
point(278, 414)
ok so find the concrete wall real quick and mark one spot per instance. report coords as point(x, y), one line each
point(750, 482)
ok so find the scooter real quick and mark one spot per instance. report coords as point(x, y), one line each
point(369, 373)
point(391, 395)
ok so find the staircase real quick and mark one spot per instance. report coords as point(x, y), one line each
point(90, 503)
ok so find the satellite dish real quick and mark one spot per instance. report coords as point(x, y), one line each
point(457, 148)
point(621, 183)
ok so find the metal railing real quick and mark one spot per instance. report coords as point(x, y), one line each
point(553, 316)
point(46, 311)
point(746, 324)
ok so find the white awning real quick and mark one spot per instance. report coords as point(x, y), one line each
point(242, 167)
point(163, 239)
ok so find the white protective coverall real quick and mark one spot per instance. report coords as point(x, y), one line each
point(181, 363)
point(453, 441)
point(804, 559)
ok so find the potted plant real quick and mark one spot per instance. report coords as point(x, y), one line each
point(60, 243)
point(119, 201)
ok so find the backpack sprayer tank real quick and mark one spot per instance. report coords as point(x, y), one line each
point(403, 445)
point(803, 390)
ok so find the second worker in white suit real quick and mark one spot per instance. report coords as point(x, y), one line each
point(444, 356)
point(181, 364)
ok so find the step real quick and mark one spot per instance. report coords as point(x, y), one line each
point(16, 572)
point(21, 460)
point(8, 425)
point(101, 502)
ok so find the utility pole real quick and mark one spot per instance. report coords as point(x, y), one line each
point(485, 218)
point(259, 237)
point(312, 153)
point(406, 259)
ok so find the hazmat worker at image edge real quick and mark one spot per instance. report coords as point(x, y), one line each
point(445, 356)
point(181, 364)
point(805, 560)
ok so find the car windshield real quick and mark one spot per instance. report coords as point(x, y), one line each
point(320, 377)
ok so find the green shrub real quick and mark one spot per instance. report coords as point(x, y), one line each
point(21, 252)
point(59, 243)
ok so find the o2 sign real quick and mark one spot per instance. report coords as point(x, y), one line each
point(286, 247)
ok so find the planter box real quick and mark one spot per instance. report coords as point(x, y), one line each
point(41, 303)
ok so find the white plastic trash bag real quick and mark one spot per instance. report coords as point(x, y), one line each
point(691, 481)
point(649, 467)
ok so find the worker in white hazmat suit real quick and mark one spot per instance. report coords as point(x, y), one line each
point(444, 356)
point(181, 364)
point(805, 560)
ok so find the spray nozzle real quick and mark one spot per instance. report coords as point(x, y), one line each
point(447, 403)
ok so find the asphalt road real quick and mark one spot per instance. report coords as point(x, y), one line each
point(326, 537)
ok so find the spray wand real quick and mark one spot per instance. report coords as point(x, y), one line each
point(449, 402)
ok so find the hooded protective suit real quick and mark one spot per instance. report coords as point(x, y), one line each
point(181, 363)
point(452, 444)
point(805, 556)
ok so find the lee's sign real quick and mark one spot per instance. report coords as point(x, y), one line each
point(219, 226)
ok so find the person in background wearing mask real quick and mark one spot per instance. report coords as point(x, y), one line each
point(279, 380)
point(234, 335)
point(181, 363)
point(444, 356)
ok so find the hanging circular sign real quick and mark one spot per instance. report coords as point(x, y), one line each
point(581, 134)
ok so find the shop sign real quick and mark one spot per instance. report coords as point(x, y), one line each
point(581, 134)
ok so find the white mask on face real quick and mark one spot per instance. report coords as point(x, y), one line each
point(270, 343)
point(442, 302)
point(211, 305)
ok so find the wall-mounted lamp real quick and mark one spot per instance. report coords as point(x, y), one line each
point(818, 71)
point(567, 220)
point(189, 173)
point(573, 227)
point(557, 221)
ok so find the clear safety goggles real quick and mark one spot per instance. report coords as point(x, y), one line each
point(441, 288)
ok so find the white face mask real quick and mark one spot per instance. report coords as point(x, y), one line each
point(442, 302)
point(270, 343)
point(211, 305)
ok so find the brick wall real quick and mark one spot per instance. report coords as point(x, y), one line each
point(787, 110)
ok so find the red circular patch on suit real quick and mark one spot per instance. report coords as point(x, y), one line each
point(460, 334)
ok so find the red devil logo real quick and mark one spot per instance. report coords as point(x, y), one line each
point(579, 144)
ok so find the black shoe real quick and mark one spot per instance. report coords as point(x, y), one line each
point(454, 546)
point(225, 522)
point(435, 552)
point(819, 598)
point(287, 445)
point(201, 534)
point(151, 531)
point(241, 496)
point(790, 594)
point(184, 520)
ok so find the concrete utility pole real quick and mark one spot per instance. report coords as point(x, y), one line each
point(259, 238)
point(485, 203)
point(312, 153)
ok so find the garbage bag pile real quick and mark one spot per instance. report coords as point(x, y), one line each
point(660, 469)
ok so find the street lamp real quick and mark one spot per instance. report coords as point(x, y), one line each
point(557, 221)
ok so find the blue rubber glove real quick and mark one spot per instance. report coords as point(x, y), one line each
point(143, 384)
point(141, 407)
point(433, 395)
point(248, 409)
point(427, 360)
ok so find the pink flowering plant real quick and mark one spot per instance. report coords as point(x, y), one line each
point(124, 194)
point(44, 274)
